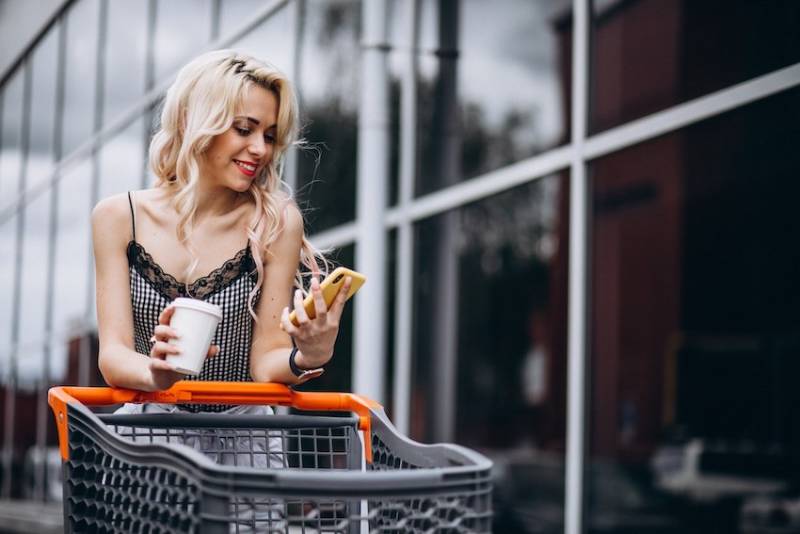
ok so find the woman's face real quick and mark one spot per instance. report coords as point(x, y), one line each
point(236, 157)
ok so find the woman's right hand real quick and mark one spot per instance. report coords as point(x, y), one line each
point(163, 374)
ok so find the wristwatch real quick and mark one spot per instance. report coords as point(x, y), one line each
point(302, 374)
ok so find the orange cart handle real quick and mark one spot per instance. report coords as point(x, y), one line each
point(197, 392)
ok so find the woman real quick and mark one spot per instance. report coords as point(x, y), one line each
point(217, 226)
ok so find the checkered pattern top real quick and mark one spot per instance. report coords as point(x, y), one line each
point(228, 287)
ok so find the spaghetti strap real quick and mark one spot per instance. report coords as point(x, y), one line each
point(133, 216)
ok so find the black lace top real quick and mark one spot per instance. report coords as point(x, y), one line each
point(228, 287)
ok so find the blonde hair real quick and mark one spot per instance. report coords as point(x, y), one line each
point(201, 104)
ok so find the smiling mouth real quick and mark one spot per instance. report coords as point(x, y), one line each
point(247, 168)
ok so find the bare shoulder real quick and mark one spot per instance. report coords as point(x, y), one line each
point(293, 218)
point(112, 213)
point(290, 237)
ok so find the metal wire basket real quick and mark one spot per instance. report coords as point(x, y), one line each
point(182, 472)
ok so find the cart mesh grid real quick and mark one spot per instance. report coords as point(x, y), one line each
point(153, 473)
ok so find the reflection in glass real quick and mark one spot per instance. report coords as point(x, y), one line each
point(329, 103)
point(121, 161)
point(39, 165)
point(490, 286)
point(10, 162)
point(235, 13)
point(79, 83)
point(648, 55)
point(42, 111)
point(174, 48)
point(7, 265)
point(73, 259)
point(33, 287)
point(124, 57)
point(11, 137)
point(506, 78)
point(695, 326)
point(271, 41)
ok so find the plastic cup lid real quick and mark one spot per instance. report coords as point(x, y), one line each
point(199, 305)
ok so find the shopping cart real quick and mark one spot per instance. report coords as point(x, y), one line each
point(311, 471)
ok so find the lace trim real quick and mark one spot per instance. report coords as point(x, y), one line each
point(202, 288)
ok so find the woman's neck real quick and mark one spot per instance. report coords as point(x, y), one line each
point(214, 202)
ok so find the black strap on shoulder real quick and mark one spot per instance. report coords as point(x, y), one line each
point(133, 217)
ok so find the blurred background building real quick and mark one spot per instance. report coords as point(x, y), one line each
point(576, 218)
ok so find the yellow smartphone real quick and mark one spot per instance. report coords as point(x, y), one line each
point(330, 288)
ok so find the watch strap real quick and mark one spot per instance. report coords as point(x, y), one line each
point(303, 374)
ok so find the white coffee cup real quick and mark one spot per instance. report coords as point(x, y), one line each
point(196, 322)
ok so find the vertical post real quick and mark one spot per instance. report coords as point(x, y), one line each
point(296, 73)
point(11, 387)
point(578, 275)
point(84, 352)
point(149, 81)
point(2, 103)
point(373, 176)
point(216, 19)
point(405, 237)
point(42, 413)
point(448, 137)
point(3, 90)
point(356, 461)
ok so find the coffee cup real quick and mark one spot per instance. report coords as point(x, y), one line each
point(196, 322)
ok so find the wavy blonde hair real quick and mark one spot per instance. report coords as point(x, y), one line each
point(201, 104)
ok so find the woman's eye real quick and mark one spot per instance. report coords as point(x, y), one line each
point(242, 131)
point(270, 139)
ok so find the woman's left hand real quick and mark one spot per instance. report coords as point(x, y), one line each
point(315, 337)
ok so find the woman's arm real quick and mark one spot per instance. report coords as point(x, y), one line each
point(269, 355)
point(119, 363)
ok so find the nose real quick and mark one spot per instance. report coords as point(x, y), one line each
point(257, 147)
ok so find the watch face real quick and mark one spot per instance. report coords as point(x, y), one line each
point(311, 373)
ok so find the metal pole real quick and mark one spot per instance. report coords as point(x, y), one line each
point(404, 285)
point(149, 82)
point(445, 357)
point(373, 176)
point(2, 100)
point(11, 387)
point(42, 415)
point(290, 165)
point(216, 19)
point(578, 276)
point(99, 103)
point(296, 75)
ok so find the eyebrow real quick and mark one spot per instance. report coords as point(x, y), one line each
point(255, 121)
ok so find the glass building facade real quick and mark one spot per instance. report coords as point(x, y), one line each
point(583, 234)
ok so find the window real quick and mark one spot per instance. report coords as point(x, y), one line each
point(648, 55)
point(694, 283)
